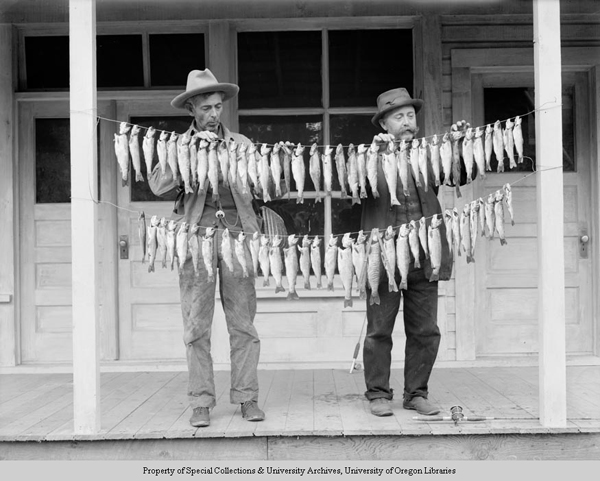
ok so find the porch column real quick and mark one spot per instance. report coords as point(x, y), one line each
point(84, 216)
point(550, 217)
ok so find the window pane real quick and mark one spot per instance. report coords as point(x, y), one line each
point(503, 103)
point(47, 62)
point(120, 61)
point(173, 56)
point(140, 191)
point(52, 161)
point(345, 217)
point(279, 69)
point(361, 66)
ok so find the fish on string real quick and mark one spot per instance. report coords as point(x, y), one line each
point(488, 146)
point(402, 161)
point(315, 259)
point(240, 253)
point(473, 225)
point(413, 242)
point(287, 167)
point(161, 238)
point(330, 261)
point(509, 144)
point(499, 216)
point(372, 166)
point(148, 148)
point(374, 266)
point(184, 162)
point(434, 241)
point(182, 244)
point(233, 163)
point(518, 138)
point(490, 216)
point(403, 255)
point(456, 240)
point(304, 250)
point(134, 150)
point(346, 268)
point(172, 242)
point(423, 149)
point(352, 169)
point(327, 170)
point(390, 171)
point(122, 152)
point(448, 220)
point(254, 251)
point(276, 169)
point(172, 155)
point(194, 161)
point(478, 152)
point(276, 263)
point(361, 163)
point(242, 166)
point(468, 154)
point(435, 159)
point(358, 261)
point(263, 258)
point(340, 165)
point(508, 198)
point(161, 151)
point(252, 167)
point(202, 165)
point(314, 169)
point(455, 137)
point(423, 236)
point(299, 172)
point(446, 156)
point(482, 216)
point(208, 253)
point(227, 249)
point(152, 242)
point(414, 160)
point(194, 247)
point(213, 170)
point(388, 257)
point(291, 266)
point(265, 171)
point(498, 142)
point(465, 231)
point(142, 232)
point(223, 156)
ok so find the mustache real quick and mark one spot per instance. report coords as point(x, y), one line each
point(413, 131)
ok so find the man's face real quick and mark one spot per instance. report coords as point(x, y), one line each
point(207, 111)
point(401, 123)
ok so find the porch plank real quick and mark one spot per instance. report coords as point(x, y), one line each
point(300, 418)
point(14, 399)
point(14, 385)
point(409, 425)
point(327, 419)
point(222, 414)
point(277, 405)
point(354, 418)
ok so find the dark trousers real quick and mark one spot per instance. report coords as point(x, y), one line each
point(422, 336)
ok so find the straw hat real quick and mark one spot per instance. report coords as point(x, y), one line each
point(201, 82)
point(392, 99)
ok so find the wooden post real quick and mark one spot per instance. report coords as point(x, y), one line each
point(550, 217)
point(84, 216)
point(221, 63)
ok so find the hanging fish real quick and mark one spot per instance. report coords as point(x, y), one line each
point(372, 166)
point(490, 216)
point(240, 253)
point(423, 163)
point(402, 161)
point(263, 259)
point(456, 230)
point(252, 167)
point(161, 150)
point(314, 170)
point(299, 172)
point(161, 238)
point(388, 257)
point(423, 236)
point(276, 263)
point(413, 242)
point(499, 216)
point(403, 255)
point(340, 165)
point(488, 146)
point(390, 171)
point(509, 144)
point(233, 164)
point(435, 159)
point(291, 266)
point(152, 242)
point(434, 239)
point(224, 160)
point(482, 219)
point(142, 232)
point(254, 251)
point(202, 166)
point(456, 166)
point(518, 138)
point(508, 198)
point(330, 261)
point(498, 142)
point(208, 253)
point(352, 169)
point(468, 154)
point(227, 249)
point(213, 170)
point(345, 267)
point(172, 242)
point(361, 164)
point(327, 170)
point(148, 148)
point(374, 267)
point(194, 161)
point(465, 231)
point(287, 166)
point(172, 156)
point(414, 161)
point(446, 155)
point(276, 170)
point(474, 226)
point(194, 247)
point(478, 152)
point(448, 222)
point(122, 152)
point(304, 250)
point(134, 150)
point(182, 244)
point(265, 171)
point(359, 263)
point(183, 161)
point(315, 259)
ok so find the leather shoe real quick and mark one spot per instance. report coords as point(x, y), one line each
point(251, 411)
point(200, 418)
point(381, 407)
point(421, 405)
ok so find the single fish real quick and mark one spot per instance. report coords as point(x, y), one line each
point(242, 166)
point(499, 216)
point(182, 244)
point(434, 239)
point(276, 263)
point(305, 261)
point(372, 167)
point(203, 168)
point(423, 163)
point(122, 151)
point(435, 159)
point(254, 251)
point(478, 152)
point(345, 267)
point(314, 169)
point(299, 172)
point(340, 166)
point(456, 230)
point(468, 154)
point(134, 150)
point(374, 267)
point(448, 222)
point(509, 144)
point(264, 171)
point(194, 247)
point(413, 242)
point(148, 149)
point(403, 255)
point(290, 254)
point(184, 162)
point(161, 238)
point(498, 142)
point(161, 150)
point(488, 146)
point(402, 161)
point(208, 253)
point(142, 232)
point(172, 156)
point(263, 259)
point(423, 236)
point(152, 242)
point(233, 164)
point(518, 138)
point(276, 169)
point(315, 259)
point(224, 160)
point(446, 155)
point(388, 257)
point(227, 249)
point(508, 198)
point(327, 170)
point(252, 167)
point(240, 253)
point(456, 166)
point(490, 220)
point(465, 231)
point(352, 169)
point(359, 257)
point(474, 226)
point(287, 167)
point(482, 219)
point(330, 261)
point(414, 160)
point(390, 171)
point(361, 165)
point(213, 170)
point(172, 242)
point(194, 161)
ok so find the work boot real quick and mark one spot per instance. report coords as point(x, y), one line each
point(200, 418)
point(251, 411)
point(381, 407)
point(421, 405)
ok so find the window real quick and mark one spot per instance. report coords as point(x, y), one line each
point(284, 96)
point(173, 56)
point(119, 61)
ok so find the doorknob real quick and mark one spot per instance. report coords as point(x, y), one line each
point(584, 240)
point(124, 247)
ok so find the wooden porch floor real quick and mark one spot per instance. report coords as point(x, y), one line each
point(153, 405)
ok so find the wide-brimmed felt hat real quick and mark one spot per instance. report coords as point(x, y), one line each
point(201, 82)
point(392, 99)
